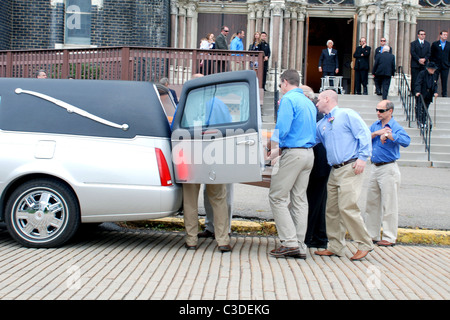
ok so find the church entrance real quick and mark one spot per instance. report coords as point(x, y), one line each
point(319, 31)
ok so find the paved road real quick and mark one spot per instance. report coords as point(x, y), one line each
point(120, 264)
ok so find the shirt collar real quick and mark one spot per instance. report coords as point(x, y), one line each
point(331, 113)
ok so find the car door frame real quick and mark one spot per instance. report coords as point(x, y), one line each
point(219, 153)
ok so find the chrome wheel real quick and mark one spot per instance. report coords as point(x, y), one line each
point(42, 213)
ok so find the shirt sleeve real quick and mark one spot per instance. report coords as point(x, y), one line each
point(361, 133)
point(284, 120)
point(401, 137)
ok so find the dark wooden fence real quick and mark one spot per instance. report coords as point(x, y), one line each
point(127, 63)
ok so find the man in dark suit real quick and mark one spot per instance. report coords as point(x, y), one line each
point(266, 48)
point(383, 44)
point(222, 44)
point(420, 54)
point(426, 85)
point(383, 70)
point(440, 54)
point(328, 61)
point(361, 55)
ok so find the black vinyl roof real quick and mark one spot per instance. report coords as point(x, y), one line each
point(135, 104)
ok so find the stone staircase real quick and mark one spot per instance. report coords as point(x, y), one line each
point(414, 155)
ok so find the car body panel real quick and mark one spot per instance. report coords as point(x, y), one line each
point(113, 172)
point(217, 130)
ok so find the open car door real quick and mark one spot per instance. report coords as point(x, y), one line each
point(216, 130)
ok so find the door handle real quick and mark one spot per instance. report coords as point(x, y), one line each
point(247, 142)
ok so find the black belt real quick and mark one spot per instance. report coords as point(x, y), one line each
point(382, 163)
point(337, 166)
point(284, 148)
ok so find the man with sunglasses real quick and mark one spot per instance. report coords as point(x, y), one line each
point(383, 69)
point(383, 43)
point(222, 44)
point(384, 180)
point(420, 53)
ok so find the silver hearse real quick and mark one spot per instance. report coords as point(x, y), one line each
point(90, 151)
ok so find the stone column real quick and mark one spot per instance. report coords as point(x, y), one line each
point(393, 27)
point(285, 45)
point(293, 40)
point(300, 40)
point(173, 22)
point(402, 50)
point(191, 39)
point(251, 26)
point(277, 11)
point(181, 27)
point(266, 21)
point(259, 19)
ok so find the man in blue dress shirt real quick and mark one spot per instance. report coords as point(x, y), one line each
point(347, 140)
point(294, 137)
point(237, 45)
point(384, 181)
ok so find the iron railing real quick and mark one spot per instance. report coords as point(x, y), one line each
point(127, 63)
point(416, 110)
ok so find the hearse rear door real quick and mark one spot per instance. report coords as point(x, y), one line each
point(216, 130)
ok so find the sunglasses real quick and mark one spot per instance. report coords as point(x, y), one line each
point(382, 40)
point(381, 110)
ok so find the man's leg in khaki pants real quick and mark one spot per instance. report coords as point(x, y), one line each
point(350, 185)
point(217, 195)
point(190, 212)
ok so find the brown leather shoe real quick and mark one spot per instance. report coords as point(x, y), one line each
point(359, 255)
point(225, 248)
point(325, 253)
point(285, 252)
point(206, 234)
point(385, 243)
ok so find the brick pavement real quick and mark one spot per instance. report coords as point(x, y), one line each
point(113, 265)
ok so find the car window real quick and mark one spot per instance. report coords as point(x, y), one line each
point(216, 105)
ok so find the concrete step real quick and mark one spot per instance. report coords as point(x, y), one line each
point(441, 164)
point(439, 156)
point(440, 148)
point(413, 163)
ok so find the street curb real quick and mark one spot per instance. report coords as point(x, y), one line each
point(405, 235)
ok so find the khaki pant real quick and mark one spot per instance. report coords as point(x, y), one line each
point(217, 195)
point(343, 213)
point(287, 196)
point(382, 202)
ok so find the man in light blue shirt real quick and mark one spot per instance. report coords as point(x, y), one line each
point(294, 138)
point(347, 141)
point(384, 181)
point(236, 43)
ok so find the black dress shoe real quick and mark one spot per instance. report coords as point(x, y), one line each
point(225, 248)
point(206, 234)
point(316, 244)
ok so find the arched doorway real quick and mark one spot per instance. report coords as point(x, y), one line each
point(320, 30)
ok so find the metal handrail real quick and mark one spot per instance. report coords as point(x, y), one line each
point(415, 110)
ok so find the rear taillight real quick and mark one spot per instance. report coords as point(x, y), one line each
point(163, 167)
